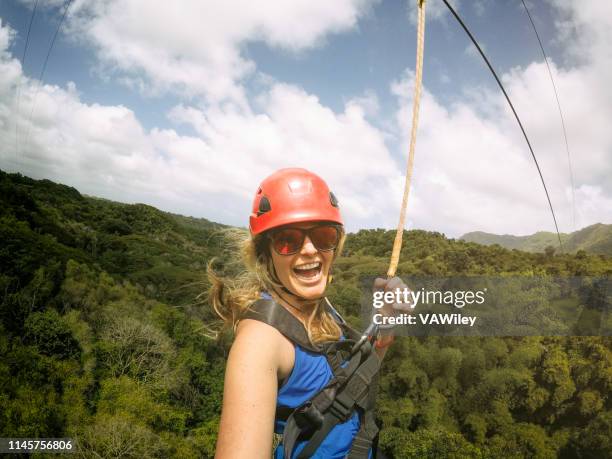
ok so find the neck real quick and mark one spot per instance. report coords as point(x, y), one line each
point(299, 307)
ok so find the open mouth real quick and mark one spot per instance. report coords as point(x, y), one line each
point(308, 270)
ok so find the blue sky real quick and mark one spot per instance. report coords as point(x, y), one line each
point(188, 106)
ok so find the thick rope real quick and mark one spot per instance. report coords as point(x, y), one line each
point(397, 244)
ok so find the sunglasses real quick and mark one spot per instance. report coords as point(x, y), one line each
point(288, 241)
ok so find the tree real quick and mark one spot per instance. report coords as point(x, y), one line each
point(130, 347)
point(51, 335)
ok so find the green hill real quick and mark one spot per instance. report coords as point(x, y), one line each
point(593, 239)
point(105, 339)
point(596, 239)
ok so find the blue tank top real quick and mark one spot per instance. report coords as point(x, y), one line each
point(311, 372)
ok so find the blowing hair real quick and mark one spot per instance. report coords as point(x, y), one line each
point(232, 295)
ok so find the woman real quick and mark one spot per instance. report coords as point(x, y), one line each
point(296, 233)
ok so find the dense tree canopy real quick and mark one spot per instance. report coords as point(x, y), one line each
point(103, 338)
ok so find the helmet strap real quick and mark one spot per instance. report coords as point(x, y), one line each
point(313, 301)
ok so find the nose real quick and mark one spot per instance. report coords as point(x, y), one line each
point(308, 247)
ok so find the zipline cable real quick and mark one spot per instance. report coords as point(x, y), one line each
point(23, 58)
point(44, 67)
point(569, 161)
point(397, 244)
point(467, 31)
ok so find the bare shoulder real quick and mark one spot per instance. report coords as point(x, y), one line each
point(262, 344)
point(250, 329)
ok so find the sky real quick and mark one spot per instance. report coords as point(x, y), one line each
point(189, 105)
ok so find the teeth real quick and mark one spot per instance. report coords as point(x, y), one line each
point(308, 266)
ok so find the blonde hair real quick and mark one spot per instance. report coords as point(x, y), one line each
point(231, 296)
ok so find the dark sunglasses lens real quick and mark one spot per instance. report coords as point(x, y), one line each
point(288, 241)
point(325, 237)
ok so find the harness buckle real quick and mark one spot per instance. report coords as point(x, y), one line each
point(308, 415)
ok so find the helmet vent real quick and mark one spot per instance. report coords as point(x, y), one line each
point(264, 206)
point(333, 199)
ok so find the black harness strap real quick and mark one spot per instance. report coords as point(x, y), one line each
point(368, 428)
point(274, 314)
point(364, 438)
point(362, 443)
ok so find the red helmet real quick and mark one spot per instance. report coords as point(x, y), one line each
point(292, 195)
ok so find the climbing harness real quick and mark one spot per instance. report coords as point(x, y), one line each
point(355, 366)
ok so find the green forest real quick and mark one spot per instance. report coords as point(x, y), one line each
point(106, 337)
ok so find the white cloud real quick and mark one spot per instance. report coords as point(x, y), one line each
point(104, 150)
point(473, 169)
point(584, 29)
point(459, 182)
point(194, 47)
point(594, 203)
point(368, 102)
point(296, 129)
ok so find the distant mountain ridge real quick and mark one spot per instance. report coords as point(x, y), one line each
point(595, 239)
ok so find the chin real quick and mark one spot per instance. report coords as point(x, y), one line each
point(310, 293)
